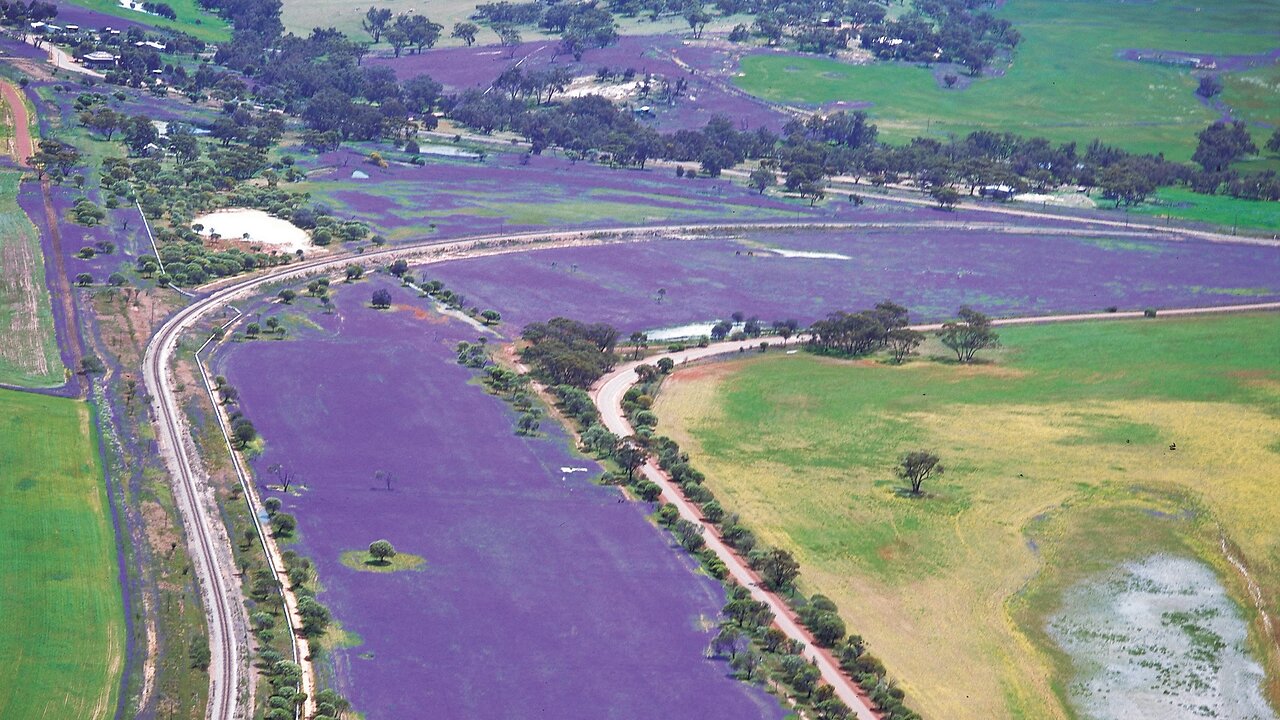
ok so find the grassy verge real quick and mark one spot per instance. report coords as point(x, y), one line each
point(30, 355)
point(362, 561)
point(1067, 81)
point(1221, 210)
point(1072, 423)
point(191, 18)
point(169, 618)
point(259, 585)
point(63, 633)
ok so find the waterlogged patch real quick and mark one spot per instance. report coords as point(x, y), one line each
point(809, 254)
point(1158, 639)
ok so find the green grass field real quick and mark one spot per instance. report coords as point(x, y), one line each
point(1066, 82)
point(62, 635)
point(1221, 210)
point(29, 354)
point(1256, 93)
point(191, 18)
point(1058, 464)
point(300, 16)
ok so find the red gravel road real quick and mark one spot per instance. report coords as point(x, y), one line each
point(22, 147)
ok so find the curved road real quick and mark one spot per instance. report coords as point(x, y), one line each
point(206, 535)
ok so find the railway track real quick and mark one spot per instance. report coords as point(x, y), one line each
point(210, 548)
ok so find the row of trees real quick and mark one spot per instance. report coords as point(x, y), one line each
point(885, 327)
point(15, 13)
point(747, 639)
point(405, 30)
point(942, 31)
point(581, 25)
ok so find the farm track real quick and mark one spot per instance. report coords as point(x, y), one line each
point(207, 539)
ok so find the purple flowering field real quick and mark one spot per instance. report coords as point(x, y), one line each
point(461, 197)
point(932, 271)
point(542, 594)
point(708, 94)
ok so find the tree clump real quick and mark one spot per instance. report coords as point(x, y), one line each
point(568, 352)
point(969, 334)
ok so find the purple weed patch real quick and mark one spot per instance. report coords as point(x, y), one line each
point(468, 197)
point(704, 68)
point(542, 594)
point(931, 271)
point(72, 14)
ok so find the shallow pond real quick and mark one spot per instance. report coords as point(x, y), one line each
point(1155, 640)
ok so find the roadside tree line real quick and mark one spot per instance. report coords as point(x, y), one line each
point(754, 648)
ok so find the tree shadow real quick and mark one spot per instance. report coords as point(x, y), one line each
point(905, 492)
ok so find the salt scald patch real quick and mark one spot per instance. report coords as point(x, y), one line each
point(1158, 639)
point(691, 330)
point(448, 151)
point(260, 227)
point(808, 254)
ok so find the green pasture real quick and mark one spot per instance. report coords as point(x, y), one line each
point(300, 16)
point(63, 634)
point(1065, 430)
point(362, 561)
point(1066, 81)
point(192, 19)
point(1221, 210)
point(1255, 94)
point(29, 356)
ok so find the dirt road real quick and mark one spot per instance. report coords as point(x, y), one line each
point(59, 58)
point(22, 145)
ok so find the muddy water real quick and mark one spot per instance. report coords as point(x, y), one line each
point(1158, 639)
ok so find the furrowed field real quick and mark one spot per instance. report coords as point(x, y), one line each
point(29, 354)
point(1059, 467)
point(1067, 82)
point(62, 635)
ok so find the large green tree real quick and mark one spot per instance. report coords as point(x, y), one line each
point(1222, 144)
point(969, 334)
